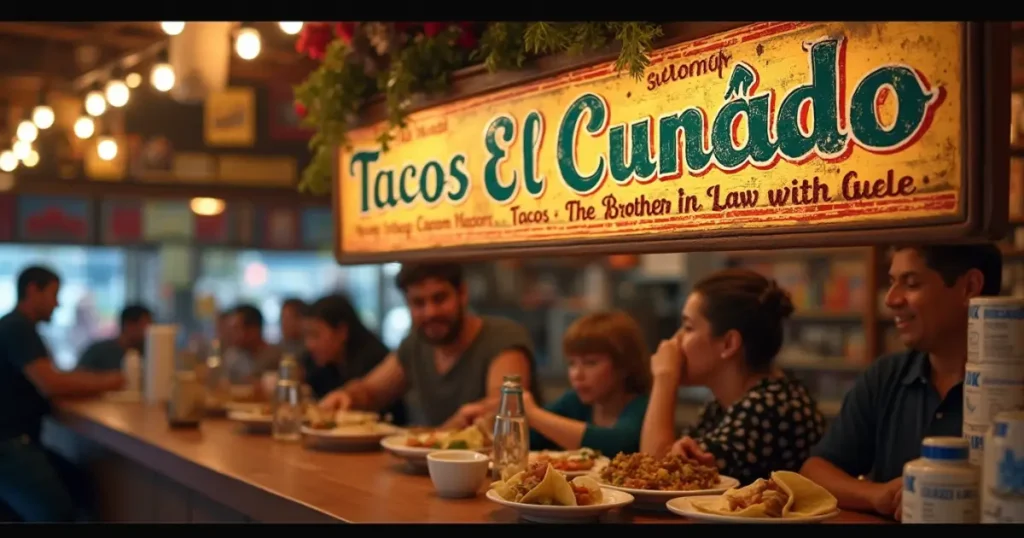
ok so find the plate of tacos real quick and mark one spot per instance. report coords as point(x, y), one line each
point(572, 463)
point(414, 446)
point(652, 481)
point(253, 418)
point(785, 497)
point(344, 430)
point(543, 494)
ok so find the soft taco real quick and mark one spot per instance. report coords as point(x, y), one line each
point(542, 484)
point(785, 495)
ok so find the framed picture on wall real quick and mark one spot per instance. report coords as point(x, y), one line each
point(285, 123)
point(229, 118)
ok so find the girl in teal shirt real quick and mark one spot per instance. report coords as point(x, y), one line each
point(610, 376)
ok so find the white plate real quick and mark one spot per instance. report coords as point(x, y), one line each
point(243, 407)
point(252, 422)
point(416, 456)
point(599, 463)
point(683, 507)
point(657, 498)
point(347, 437)
point(542, 513)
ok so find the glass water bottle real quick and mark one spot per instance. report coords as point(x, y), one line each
point(511, 434)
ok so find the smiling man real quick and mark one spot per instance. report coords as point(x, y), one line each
point(453, 362)
point(907, 396)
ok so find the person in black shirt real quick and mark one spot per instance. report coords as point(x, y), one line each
point(34, 482)
point(340, 348)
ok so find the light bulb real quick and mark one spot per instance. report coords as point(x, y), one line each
point(162, 77)
point(43, 117)
point(106, 148)
point(95, 103)
point(27, 131)
point(247, 43)
point(117, 93)
point(133, 80)
point(84, 127)
point(8, 162)
point(21, 149)
point(32, 159)
point(290, 28)
point(207, 207)
point(172, 28)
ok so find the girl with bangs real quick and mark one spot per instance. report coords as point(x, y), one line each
point(610, 375)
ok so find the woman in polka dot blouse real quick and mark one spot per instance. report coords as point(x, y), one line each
point(760, 420)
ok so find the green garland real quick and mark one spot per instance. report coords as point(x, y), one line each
point(382, 60)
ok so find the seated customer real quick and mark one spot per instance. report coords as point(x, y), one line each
point(36, 483)
point(248, 356)
point(760, 420)
point(904, 397)
point(293, 310)
point(452, 362)
point(340, 349)
point(106, 355)
point(610, 377)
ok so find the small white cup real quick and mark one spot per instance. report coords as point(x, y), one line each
point(457, 473)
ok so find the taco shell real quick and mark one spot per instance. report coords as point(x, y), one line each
point(720, 505)
point(591, 486)
point(806, 499)
point(506, 489)
point(553, 490)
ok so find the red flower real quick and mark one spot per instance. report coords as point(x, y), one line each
point(314, 40)
point(467, 39)
point(431, 29)
point(345, 31)
point(300, 109)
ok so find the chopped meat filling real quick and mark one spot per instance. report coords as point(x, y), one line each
point(761, 491)
point(671, 473)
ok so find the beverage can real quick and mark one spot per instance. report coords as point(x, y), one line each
point(995, 330)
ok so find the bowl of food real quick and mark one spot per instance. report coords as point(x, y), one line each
point(543, 494)
point(457, 473)
point(653, 481)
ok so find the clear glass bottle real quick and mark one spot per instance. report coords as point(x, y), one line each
point(288, 411)
point(511, 433)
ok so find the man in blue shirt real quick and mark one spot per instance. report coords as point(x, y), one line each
point(904, 397)
point(34, 482)
point(107, 355)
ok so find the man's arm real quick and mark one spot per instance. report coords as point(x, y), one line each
point(508, 362)
point(57, 384)
point(848, 449)
point(385, 384)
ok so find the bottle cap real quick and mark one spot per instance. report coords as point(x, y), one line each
point(945, 448)
point(514, 378)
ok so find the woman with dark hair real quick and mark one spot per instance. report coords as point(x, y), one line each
point(760, 420)
point(340, 348)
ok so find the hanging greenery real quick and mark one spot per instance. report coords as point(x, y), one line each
point(400, 61)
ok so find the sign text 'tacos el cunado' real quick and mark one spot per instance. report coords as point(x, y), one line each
point(769, 128)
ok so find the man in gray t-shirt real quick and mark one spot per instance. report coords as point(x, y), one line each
point(248, 355)
point(450, 363)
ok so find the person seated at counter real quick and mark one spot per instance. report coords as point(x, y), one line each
point(610, 377)
point(452, 361)
point(340, 349)
point(760, 420)
point(106, 355)
point(35, 483)
point(904, 397)
point(248, 355)
point(293, 313)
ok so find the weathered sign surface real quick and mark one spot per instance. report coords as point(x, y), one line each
point(774, 129)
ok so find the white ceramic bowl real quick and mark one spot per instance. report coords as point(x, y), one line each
point(457, 473)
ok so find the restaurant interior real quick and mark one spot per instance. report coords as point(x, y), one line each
point(170, 164)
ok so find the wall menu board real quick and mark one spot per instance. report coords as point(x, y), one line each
point(773, 135)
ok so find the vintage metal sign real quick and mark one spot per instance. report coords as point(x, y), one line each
point(769, 135)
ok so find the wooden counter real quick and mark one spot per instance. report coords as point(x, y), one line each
point(147, 472)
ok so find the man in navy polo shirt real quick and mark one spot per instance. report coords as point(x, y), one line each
point(34, 482)
point(904, 397)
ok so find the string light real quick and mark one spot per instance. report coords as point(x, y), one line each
point(106, 148)
point(21, 149)
point(8, 162)
point(27, 131)
point(32, 159)
point(85, 127)
point(133, 80)
point(290, 28)
point(43, 117)
point(162, 78)
point(117, 93)
point(248, 43)
point(172, 28)
point(95, 103)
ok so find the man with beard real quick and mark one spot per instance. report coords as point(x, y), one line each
point(34, 482)
point(904, 397)
point(452, 364)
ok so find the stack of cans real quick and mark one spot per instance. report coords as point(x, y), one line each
point(994, 380)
